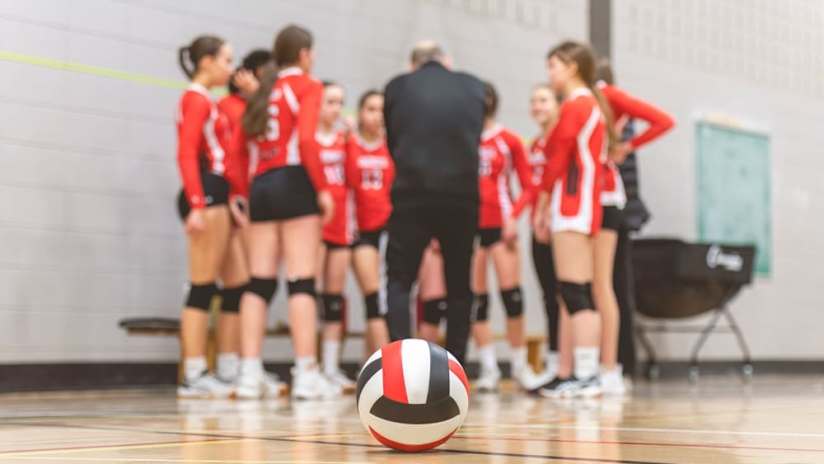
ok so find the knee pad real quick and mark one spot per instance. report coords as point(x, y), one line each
point(577, 297)
point(302, 286)
point(264, 288)
point(230, 298)
point(513, 302)
point(332, 307)
point(200, 295)
point(480, 307)
point(434, 310)
point(373, 310)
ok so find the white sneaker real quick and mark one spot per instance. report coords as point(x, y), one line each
point(531, 381)
point(205, 386)
point(273, 387)
point(589, 388)
point(312, 385)
point(340, 379)
point(612, 382)
point(488, 380)
point(249, 386)
point(560, 388)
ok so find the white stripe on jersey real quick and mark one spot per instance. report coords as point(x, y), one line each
point(503, 181)
point(291, 99)
point(218, 155)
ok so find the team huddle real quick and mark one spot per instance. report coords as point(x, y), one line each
point(274, 175)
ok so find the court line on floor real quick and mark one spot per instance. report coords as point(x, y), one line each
point(185, 460)
point(117, 447)
point(299, 439)
point(661, 430)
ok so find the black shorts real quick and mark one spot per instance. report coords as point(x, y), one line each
point(215, 191)
point(489, 237)
point(282, 193)
point(613, 218)
point(334, 246)
point(370, 238)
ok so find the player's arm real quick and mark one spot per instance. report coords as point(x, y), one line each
point(194, 112)
point(659, 122)
point(307, 143)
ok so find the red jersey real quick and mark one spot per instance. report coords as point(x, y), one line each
point(340, 230)
point(202, 136)
point(289, 139)
point(500, 151)
point(537, 161)
point(624, 104)
point(370, 172)
point(575, 153)
point(233, 106)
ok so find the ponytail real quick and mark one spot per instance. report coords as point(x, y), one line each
point(256, 117)
point(189, 56)
point(609, 117)
point(183, 58)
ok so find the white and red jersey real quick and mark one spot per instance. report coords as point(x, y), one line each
point(289, 139)
point(537, 161)
point(500, 152)
point(575, 154)
point(233, 106)
point(340, 230)
point(625, 105)
point(202, 137)
point(370, 172)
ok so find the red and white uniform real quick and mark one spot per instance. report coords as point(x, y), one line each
point(340, 230)
point(233, 106)
point(289, 139)
point(537, 161)
point(500, 152)
point(370, 172)
point(625, 105)
point(575, 153)
point(202, 137)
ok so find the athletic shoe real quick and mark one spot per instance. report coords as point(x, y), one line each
point(206, 386)
point(340, 379)
point(560, 388)
point(258, 386)
point(273, 387)
point(488, 380)
point(312, 385)
point(531, 381)
point(589, 388)
point(612, 382)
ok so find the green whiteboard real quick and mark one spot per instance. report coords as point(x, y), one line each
point(733, 175)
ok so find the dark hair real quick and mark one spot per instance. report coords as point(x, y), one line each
point(189, 56)
point(490, 100)
point(288, 44)
point(251, 62)
point(583, 57)
point(603, 71)
point(256, 116)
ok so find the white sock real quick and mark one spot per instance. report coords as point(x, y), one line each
point(617, 371)
point(553, 361)
point(305, 363)
point(487, 357)
point(251, 366)
point(518, 359)
point(586, 362)
point(194, 367)
point(331, 354)
point(228, 365)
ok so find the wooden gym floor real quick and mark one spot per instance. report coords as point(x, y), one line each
point(776, 419)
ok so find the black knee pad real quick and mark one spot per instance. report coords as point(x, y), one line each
point(513, 302)
point(332, 307)
point(373, 310)
point(200, 295)
point(230, 298)
point(434, 310)
point(480, 307)
point(264, 288)
point(302, 286)
point(577, 297)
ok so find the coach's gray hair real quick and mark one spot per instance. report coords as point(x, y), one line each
point(426, 50)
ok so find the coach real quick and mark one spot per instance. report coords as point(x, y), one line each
point(434, 118)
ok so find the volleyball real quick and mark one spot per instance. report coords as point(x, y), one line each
point(412, 395)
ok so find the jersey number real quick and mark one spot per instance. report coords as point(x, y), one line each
point(372, 179)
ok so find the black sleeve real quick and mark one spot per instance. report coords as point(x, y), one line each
point(388, 101)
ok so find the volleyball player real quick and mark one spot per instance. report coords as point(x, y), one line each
point(370, 173)
point(244, 83)
point(337, 234)
point(501, 153)
point(287, 196)
point(570, 205)
point(613, 199)
point(203, 136)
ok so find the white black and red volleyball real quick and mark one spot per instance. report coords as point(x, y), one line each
point(412, 395)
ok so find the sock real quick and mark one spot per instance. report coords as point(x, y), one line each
point(553, 361)
point(331, 354)
point(518, 359)
point(586, 362)
point(228, 366)
point(487, 357)
point(194, 367)
point(305, 363)
point(251, 366)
